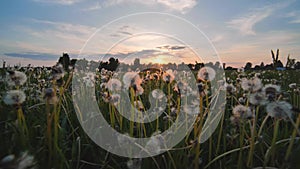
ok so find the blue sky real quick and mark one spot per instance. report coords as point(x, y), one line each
point(39, 31)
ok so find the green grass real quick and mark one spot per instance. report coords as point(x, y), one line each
point(56, 139)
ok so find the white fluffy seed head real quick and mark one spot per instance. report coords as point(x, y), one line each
point(14, 97)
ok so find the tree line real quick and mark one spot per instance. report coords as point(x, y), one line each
point(113, 63)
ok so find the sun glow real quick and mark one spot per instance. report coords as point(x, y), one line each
point(159, 60)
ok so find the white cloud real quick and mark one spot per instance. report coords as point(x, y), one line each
point(68, 28)
point(57, 36)
point(65, 31)
point(61, 2)
point(295, 15)
point(94, 7)
point(177, 5)
point(217, 38)
point(246, 24)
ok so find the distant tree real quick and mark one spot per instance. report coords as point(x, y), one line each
point(297, 65)
point(112, 65)
point(3, 65)
point(248, 66)
point(136, 63)
point(290, 63)
point(103, 65)
point(217, 64)
point(73, 62)
point(64, 60)
point(257, 67)
point(269, 67)
point(198, 65)
point(262, 65)
point(191, 66)
point(209, 64)
point(81, 64)
point(276, 62)
point(229, 68)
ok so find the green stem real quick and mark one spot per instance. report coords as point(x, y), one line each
point(253, 131)
point(292, 139)
point(272, 148)
point(220, 133)
point(241, 145)
point(169, 102)
point(132, 111)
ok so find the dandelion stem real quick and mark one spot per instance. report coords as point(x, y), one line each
point(169, 102)
point(272, 148)
point(292, 139)
point(242, 128)
point(220, 133)
point(262, 125)
point(132, 112)
point(253, 131)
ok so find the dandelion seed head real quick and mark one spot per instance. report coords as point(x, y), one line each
point(114, 85)
point(8, 159)
point(279, 109)
point(139, 105)
point(230, 88)
point(58, 72)
point(16, 78)
point(25, 161)
point(258, 98)
point(271, 91)
point(252, 85)
point(168, 76)
point(206, 74)
point(14, 97)
point(115, 99)
point(157, 94)
point(242, 100)
point(130, 79)
point(50, 96)
point(88, 82)
point(134, 164)
point(293, 85)
point(242, 112)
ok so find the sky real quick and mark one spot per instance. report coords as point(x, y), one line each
point(234, 32)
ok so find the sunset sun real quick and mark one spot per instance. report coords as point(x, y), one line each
point(159, 60)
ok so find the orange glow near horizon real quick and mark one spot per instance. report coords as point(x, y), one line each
point(158, 60)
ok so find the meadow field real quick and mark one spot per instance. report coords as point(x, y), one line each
point(258, 127)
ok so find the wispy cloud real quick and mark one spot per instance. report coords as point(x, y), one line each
point(177, 5)
point(123, 30)
point(94, 7)
point(295, 16)
point(170, 48)
point(217, 38)
point(67, 27)
point(52, 34)
point(60, 2)
point(246, 24)
point(33, 55)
